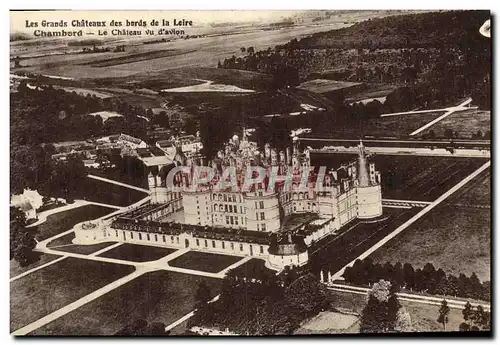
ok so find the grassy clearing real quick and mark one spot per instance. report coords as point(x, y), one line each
point(464, 123)
point(137, 253)
point(454, 239)
point(63, 221)
point(16, 269)
point(51, 288)
point(252, 268)
point(84, 249)
point(202, 261)
point(328, 322)
point(423, 316)
point(156, 297)
point(475, 193)
point(107, 193)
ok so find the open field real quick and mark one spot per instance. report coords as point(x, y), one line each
point(107, 193)
point(328, 322)
point(156, 297)
point(200, 52)
point(464, 123)
point(189, 76)
point(62, 221)
point(454, 239)
point(423, 316)
point(46, 290)
point(202, 261)
point(410, 177)
point(145, 56)
point(475, 193)
point(16, 269)
point(137, 253)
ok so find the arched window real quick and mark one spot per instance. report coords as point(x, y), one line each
point(220, 197)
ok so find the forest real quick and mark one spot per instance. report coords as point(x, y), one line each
point(440, 56)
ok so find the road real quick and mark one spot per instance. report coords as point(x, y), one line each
point(118, 183)
point(448, 111)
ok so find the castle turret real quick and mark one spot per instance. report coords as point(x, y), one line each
point(368, 189)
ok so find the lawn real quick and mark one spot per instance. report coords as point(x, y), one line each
point(159, 296)
point(454, 239)
point(411, 177)
point(202, 261)
point(51, 288)
point(475, 193)
point(16, 269)
point(63, 221)
point(83, 249)
point(328, 322)
point(107, 193)
point(464, 123)
point(333, 252)
point(252, 268)
point(137, 253)
point(423, 316)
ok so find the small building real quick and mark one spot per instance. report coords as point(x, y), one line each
point(130, 141)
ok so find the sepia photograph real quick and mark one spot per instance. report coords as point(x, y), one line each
point(250, 173)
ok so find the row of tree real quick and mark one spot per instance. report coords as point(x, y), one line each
point(436, 282)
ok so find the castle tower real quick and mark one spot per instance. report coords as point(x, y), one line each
point(152, 187)
point(368, 190)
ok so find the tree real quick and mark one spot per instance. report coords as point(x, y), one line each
point(409, 276)
point(22, 239)
point(467, 312)
point(380, 313)
point(202, 296)
point(444, 310)
point(403, 321)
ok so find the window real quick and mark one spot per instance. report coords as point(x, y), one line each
point(223, 245)
point(261, 250)
point(116, 233)
point(197, 242)
point(232, 220)
point(231, 208)
point(164, 239)
point(156, 238)
point(256, 205)
point(172, 239)
point(261, 204)
point(131, 235)
point(225, 197)
point(148, 238)
point(140, 236)
point(232, 246)
point(206, 243)
point(241, 209)
point(241, 247)
point(260, 194)
point(258, 227)
point(213, 244)
point(263, 227)
point(177, 238)
point(262, 216)
point(234, 198)
point(225, 208)
point(227, 220)
point(235, 220)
